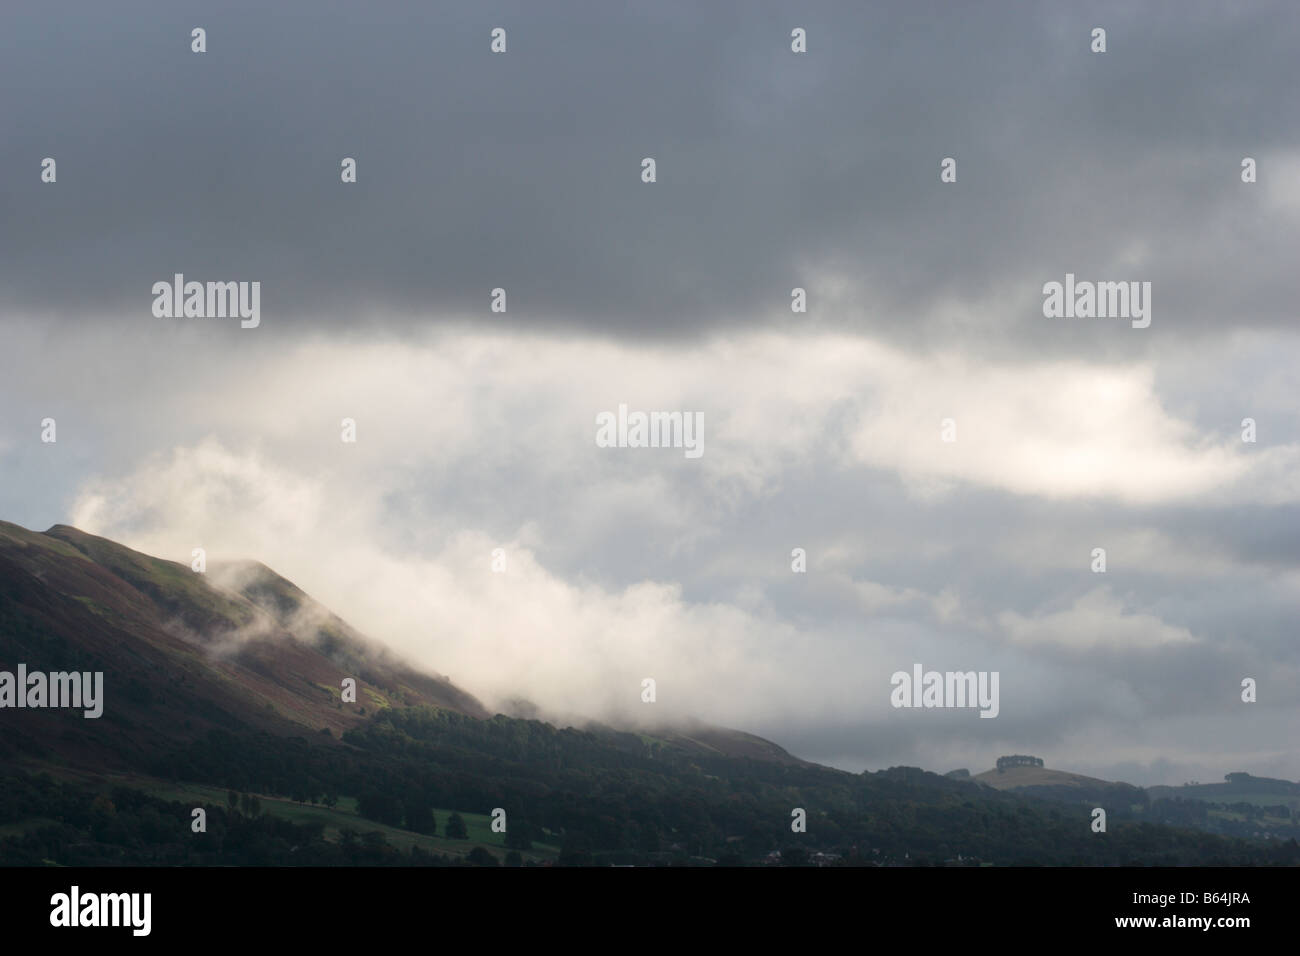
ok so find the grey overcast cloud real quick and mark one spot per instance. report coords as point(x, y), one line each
point(823, 430)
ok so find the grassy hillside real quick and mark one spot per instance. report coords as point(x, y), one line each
point(1242, 788)
point(344, 816)
point(1014, 778)
point(181, 655)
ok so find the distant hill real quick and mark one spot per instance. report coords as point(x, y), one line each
point(1060, 785)
point(1242, 806)
point(686, 735)
point(1017, 778)
point(1237, 788)
point(698, 737)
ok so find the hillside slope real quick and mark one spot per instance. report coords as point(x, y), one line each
point(1062, 786)
point(180, 654)
point(1018, 778)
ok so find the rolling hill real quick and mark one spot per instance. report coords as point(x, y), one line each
point(1063, 786)
point(228, 683)
point(1236, 788)
point(181, 654)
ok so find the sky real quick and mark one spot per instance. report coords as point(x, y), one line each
point(823, 430)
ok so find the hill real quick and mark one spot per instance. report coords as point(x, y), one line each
point(1242, 806)
point(1062, 786)
point(227, 683)
point(1236, 788)
point(1020, 778)
point(183, 654)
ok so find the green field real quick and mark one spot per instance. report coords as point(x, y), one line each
point(1222, 794)
point(341, 816)
point(21, 827)
point(344, 815)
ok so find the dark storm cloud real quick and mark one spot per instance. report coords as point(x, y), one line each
point(775, 170)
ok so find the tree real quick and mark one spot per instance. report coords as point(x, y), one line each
point(456, 829)
point(519, 836)
point(576, 850)
point(380, 806)
point(481, 857)
point(419, 818)
point(794, 856)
